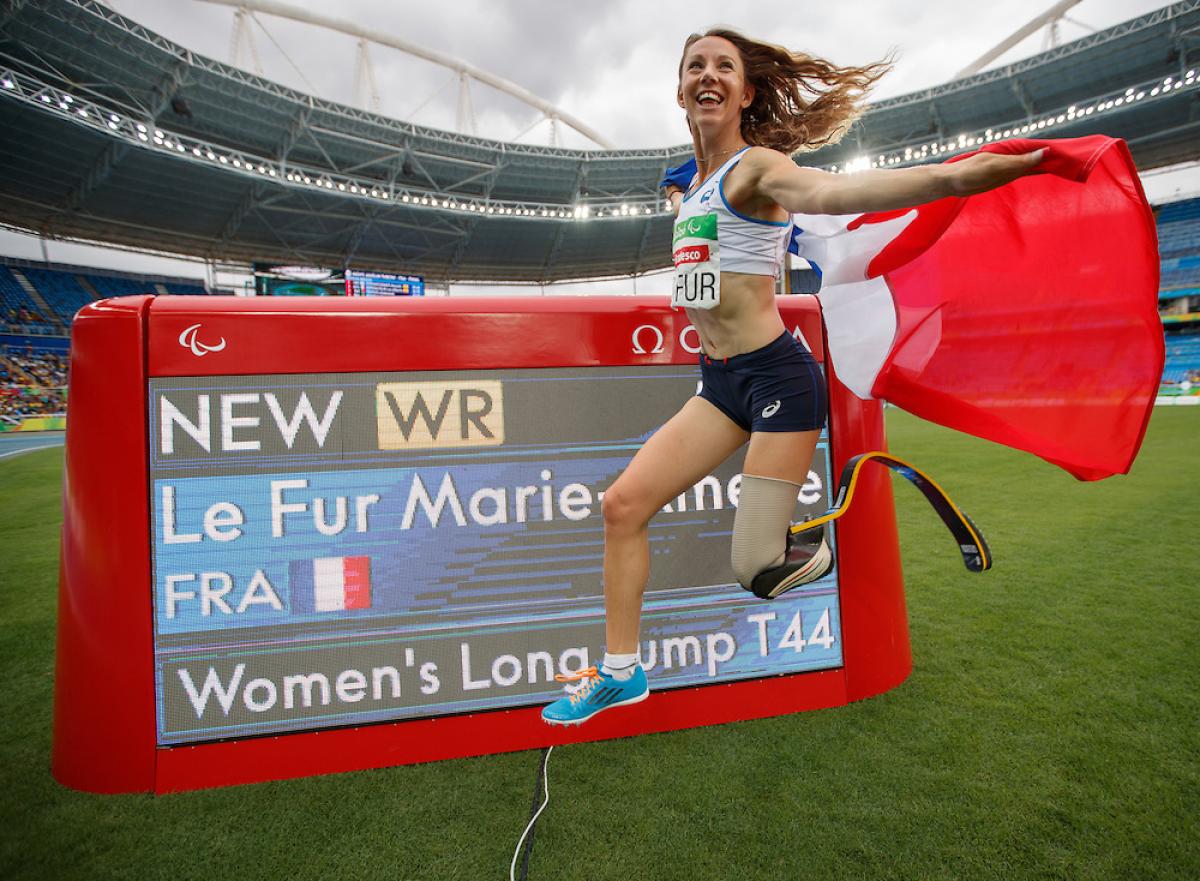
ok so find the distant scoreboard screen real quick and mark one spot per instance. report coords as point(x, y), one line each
point(339, 549)
point(382, 284)
point(269, 286)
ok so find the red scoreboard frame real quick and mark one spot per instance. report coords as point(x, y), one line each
point(104, 705)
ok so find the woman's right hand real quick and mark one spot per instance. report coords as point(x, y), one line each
point(986, 171)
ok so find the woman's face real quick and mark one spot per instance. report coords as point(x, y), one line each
point(712, 85)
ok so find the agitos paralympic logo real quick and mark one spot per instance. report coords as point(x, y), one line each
point(701, 226)
point(189, 340)
point(426, 415)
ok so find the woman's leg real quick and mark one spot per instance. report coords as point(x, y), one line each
point(692, 443)
point(782, 455)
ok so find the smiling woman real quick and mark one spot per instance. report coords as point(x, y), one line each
point(749, 106)
point(799, 102)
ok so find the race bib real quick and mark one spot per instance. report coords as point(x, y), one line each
point(697, 259)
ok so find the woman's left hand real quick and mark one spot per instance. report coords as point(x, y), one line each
point(986, 171)
point(675, 197)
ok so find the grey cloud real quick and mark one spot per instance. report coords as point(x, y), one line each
point(608, 62)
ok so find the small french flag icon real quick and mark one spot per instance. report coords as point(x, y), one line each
point(331, 584)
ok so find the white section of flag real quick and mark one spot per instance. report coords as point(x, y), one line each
point(329, 584)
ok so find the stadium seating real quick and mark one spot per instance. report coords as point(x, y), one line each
point(67, 290)
point(1183, 358)
point(1179, 229)
point(189, 290)
point(1180, 272)
point(111, 286)
point(17, 307)
point(39, 345)
point(61, 290)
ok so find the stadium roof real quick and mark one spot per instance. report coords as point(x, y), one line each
point(111, 133)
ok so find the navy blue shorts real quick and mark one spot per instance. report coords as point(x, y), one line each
point(776, 388)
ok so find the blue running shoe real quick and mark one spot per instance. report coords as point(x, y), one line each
point(596, 692)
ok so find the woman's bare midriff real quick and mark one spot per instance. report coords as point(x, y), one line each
point(746, 318)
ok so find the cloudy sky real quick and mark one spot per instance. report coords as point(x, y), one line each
point(610, 63)
point(614, 65)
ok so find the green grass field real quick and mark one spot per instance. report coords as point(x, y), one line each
point(1050, 729)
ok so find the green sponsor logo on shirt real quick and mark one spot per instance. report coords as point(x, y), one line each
point(702, 226)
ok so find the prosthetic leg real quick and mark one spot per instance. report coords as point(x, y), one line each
point(767, 557)
point(807, 559)
point(768, 568)
point(977, 557)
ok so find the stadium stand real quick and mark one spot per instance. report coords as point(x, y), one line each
point(457, 207)
point(1179, 229)
point(17, 342)
point(111, 286)
point(1183, 358)
point(189, 290)
point(1179, 249)
point(1180, 272)
point(38, 368)
point(1181, 373)
point(32, 382)
point(258, 172)
point(63, 290)
point(1179, 297)
point(20, 310)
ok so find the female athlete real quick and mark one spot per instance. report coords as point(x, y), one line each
point(749, 106)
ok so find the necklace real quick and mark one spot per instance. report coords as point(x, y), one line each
point(720, 153)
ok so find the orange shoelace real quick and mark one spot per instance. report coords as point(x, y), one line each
point(590, 677)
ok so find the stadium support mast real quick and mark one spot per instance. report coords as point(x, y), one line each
point(1050, 17)
point(243, 36)
point(463, 69)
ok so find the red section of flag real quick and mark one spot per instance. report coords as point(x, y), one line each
point(691, 254)
point(1027, 315)
point(357, 574)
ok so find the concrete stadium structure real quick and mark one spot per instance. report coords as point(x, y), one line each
point(111, 133)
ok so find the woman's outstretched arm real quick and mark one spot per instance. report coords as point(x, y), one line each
point(811, 191)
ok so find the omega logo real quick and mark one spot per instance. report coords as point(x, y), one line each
point(654, 333)
point(694, 350)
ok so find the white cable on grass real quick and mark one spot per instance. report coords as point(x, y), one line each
point(546, 787)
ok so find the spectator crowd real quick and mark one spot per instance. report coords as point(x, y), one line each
point(45, 395)
point(15, 320)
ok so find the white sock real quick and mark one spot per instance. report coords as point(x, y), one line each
point(619, 667)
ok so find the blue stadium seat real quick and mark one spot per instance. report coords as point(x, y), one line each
point(1183, 357)
point(1180, 272)
point(191, 290)
point(13, 296)
point(1179, 229)
point(67, 291)
point(108, 286)
point(61, 290)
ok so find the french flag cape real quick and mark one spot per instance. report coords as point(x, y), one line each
point(1026, 315)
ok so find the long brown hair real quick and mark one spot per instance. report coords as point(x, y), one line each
point(791, 112)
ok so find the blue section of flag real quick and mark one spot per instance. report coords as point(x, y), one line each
point(680, 176)
point(302, 587)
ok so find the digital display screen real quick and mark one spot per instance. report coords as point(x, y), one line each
point(290, 287)
point(338, 549)
point(382, 284)
point(297, 281)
